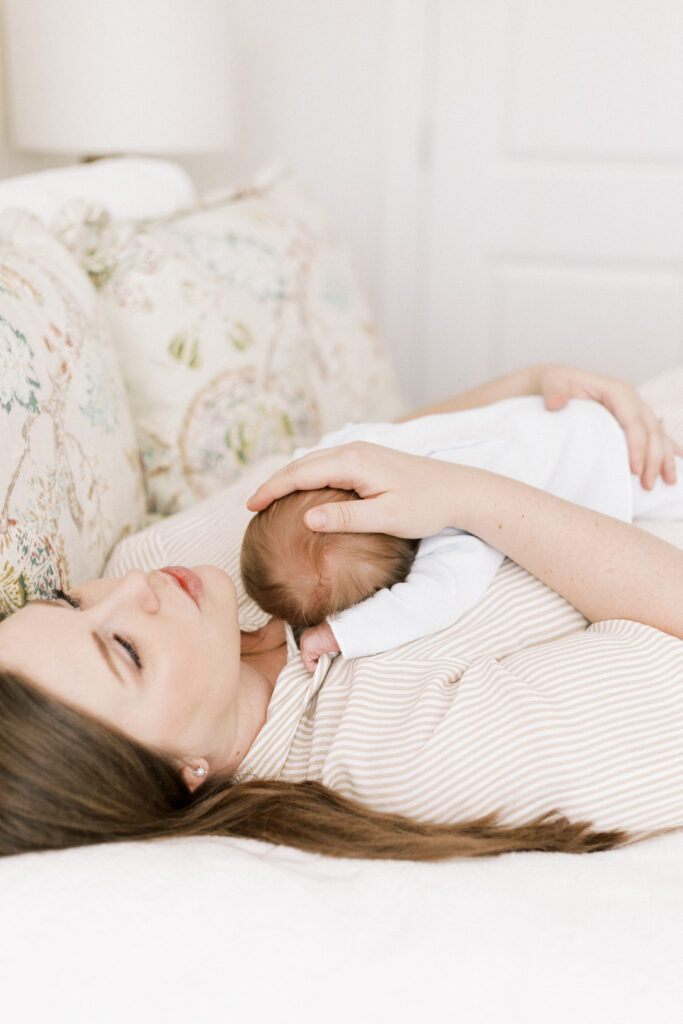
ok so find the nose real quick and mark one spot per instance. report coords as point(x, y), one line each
point(134, 590)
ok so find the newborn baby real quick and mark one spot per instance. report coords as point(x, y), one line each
point(351, 587)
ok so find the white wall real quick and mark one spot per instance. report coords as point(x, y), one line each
point(312, 84)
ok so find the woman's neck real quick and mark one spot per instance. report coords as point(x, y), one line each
point(264, 655)
point(267, 639)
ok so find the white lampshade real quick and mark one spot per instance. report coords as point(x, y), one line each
point(119, 76)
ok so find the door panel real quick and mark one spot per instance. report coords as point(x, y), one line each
point(552, 199)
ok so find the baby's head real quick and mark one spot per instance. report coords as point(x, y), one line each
point(303, 577)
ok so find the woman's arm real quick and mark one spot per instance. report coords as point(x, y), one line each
point(651, 452)
point(605, 568)
point(526, 381)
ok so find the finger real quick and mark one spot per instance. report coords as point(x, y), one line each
point(282, 482)
point(556, 400)
point(646, 439)
point(306, 648)
point(310, 661)
point(669, 467)
point(653, 461)
point(326, 468)
point(636, 439)
point(344, 517)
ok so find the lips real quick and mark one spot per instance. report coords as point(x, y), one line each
point(188, 581)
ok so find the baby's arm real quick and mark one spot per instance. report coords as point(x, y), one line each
point(450, 574)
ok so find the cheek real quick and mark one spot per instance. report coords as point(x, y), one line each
point(170, 711)
point(96, 590)
point(220, 592)
point(220, 624)
point(201, 674)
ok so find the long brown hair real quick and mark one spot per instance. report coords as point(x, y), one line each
point(68, 779)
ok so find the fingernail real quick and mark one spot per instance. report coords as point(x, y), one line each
point(316, 518)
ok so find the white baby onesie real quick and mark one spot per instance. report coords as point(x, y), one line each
point(578, 454)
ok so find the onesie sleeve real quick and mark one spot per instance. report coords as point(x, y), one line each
point(451, 572)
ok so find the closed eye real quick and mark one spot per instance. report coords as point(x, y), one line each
point(130, 648)
point(128, 645)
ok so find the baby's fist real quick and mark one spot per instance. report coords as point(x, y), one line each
point(316, 641)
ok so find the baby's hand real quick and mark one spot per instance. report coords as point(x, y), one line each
point(316, 641)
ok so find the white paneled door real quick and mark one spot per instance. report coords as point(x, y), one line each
point(542, 188)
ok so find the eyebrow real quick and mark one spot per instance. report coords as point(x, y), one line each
point(99, 642)
point(106, 654)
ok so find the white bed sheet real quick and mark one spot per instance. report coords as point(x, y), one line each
point(218, 929)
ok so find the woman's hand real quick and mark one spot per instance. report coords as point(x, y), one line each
point(405, 495)
point(651, 451)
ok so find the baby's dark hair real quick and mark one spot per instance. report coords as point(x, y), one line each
point(302, 576)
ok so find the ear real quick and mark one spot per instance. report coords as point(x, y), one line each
point(194, 773)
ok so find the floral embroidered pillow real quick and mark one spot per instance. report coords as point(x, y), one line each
point(70, 475)
point(240, 329)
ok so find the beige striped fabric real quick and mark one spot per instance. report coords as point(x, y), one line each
point(520, 707)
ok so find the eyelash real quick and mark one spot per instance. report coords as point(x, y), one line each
point(127, 645)
point(59, 595)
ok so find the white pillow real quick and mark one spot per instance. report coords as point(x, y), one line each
point(129, 186)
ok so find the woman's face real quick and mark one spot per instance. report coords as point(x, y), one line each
point(156, 655)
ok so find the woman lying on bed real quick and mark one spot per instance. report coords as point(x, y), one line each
point(133, 708)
